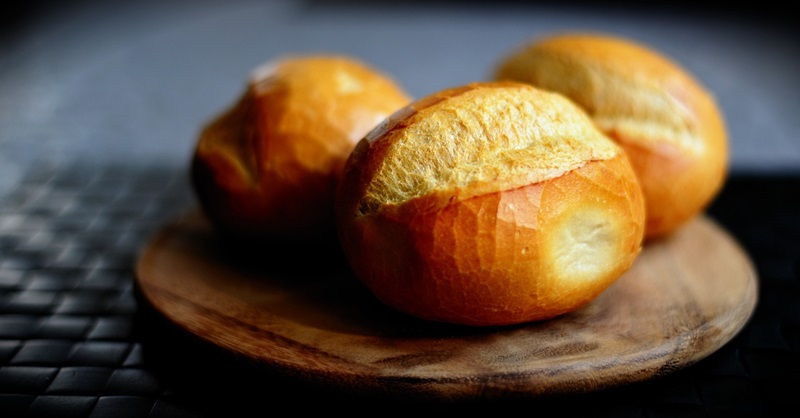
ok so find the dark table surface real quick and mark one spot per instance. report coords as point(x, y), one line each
point(100, 103)
point(76, 339)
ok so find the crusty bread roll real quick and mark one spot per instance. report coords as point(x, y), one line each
point(666, 121)
point(268, 166)
point(489, 204)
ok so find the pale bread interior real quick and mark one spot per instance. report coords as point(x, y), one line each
point(481, 140)
point(584, 245)
point(646, 103)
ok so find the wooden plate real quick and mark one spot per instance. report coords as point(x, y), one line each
point(306, 317)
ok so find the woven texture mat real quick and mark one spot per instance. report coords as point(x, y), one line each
point(76, 340)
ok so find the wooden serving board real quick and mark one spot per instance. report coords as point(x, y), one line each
point(304, 316)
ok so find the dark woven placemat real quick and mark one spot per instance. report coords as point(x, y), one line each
point(76, 341)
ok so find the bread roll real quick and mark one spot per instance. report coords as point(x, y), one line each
point(268, 166)
point(666, 121)
point(489, 204)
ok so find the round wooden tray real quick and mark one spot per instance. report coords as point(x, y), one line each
point(306, 317)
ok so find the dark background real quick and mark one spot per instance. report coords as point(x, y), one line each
point(121, 81)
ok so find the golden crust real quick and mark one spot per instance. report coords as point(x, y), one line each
point(269, 165)
point(493, 250)
point(650, 105)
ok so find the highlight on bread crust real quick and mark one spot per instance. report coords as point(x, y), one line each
point(268, 166)
point(489, 204)
point(667, 122)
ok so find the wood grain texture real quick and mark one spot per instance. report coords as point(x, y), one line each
point(305, 317)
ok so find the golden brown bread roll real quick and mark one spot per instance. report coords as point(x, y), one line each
point(489, 204)
point(269, 165)
point(666, 121)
